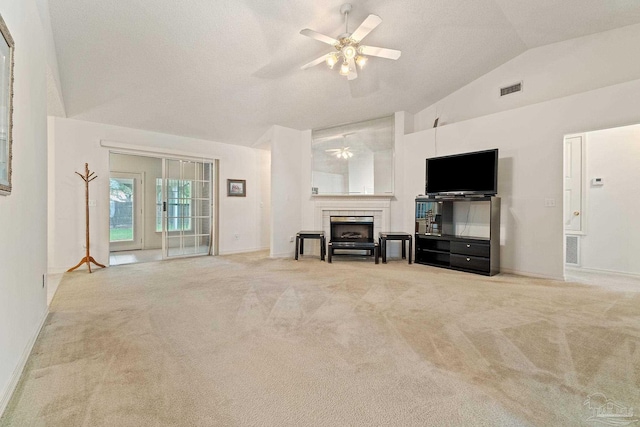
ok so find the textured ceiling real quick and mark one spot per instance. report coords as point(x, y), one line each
point(227, 70)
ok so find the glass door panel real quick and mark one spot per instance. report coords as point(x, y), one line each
point(124, 212)
point(188, 198)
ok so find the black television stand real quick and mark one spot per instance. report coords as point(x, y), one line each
point(436, 243)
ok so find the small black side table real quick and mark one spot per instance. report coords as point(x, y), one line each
point(393, 235)
point(301, 235)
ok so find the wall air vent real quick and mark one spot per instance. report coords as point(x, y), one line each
point(572, 254)
point(511, 89)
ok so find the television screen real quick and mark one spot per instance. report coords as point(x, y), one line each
point(463, 174)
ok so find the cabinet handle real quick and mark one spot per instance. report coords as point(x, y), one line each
point(576, 213)
point(468, 259)
point(468, 246)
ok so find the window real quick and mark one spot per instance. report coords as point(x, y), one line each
point(178, 205)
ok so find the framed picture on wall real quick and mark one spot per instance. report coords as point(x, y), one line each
point(236, 188)
point(6, 107)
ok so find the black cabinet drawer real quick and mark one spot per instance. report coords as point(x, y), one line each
point(470, 262)
point(470, 248)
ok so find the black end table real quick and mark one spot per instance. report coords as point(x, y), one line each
point(300, 236)
point(395, 235)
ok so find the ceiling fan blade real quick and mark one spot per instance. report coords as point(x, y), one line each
point(316, 61)
point(381, 52)
point(321, 37)
point(353, 73)
point(366, 27)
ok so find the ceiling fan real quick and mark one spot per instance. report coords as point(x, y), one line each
point(348, 47)
point(341, 153)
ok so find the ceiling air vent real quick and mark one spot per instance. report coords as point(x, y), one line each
point(511, 89)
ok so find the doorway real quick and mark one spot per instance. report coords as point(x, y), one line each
point(601, 205)
point(160, 208)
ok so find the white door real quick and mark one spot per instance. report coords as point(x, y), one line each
point(125, 211)
point(573, 181)
point(187, 208)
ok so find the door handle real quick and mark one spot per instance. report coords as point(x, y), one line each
point(164, 206)
point(576, 213)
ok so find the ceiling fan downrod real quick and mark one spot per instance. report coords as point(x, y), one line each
point(345, 9)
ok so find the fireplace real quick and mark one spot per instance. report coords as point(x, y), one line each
point(351, 229)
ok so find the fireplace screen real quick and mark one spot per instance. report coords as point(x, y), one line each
point(352, 229)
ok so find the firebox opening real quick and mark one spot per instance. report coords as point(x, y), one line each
point(355, 229)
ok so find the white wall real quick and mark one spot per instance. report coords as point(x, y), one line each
point(578, 85)
point(287, 182)
point(530, 169)
point(23, 217)
point(612, 236)
point(151, 168)
point(547, 72)
point(264, 211)
point(75, 142)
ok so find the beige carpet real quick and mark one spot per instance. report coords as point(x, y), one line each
point(247, 340)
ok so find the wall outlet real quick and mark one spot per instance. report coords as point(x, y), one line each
point(92, 202)
point(291, 239)
point(550, 203)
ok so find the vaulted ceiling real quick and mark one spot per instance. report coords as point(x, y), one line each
point(226, 70)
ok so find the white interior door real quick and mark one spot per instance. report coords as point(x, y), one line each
point(125, 211)
point(573, 182)
point(187, 208)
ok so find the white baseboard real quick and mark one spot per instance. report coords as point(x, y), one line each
point(529, 274)
point(17, 372)
point(602, 271)
point(242, 251)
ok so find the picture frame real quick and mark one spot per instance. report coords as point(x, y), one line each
point(236, 188)
point(7, 47)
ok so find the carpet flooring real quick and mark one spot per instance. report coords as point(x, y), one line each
point(247, 340)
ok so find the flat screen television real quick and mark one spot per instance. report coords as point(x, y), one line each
point(467, 174)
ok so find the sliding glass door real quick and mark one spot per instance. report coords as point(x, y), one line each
point(187, 194)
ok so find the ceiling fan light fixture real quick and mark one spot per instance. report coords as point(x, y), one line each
point(361, 61)
point(332, 60)
point(344, 69)
point(349, 51)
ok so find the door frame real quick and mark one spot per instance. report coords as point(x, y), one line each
point(583, 184)
point(115, 147)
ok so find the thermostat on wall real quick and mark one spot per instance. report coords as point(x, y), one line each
point(597, 182)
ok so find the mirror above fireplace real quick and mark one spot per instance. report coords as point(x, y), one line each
point(354, 159)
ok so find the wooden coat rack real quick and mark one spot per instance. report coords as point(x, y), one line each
point(87, 178)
